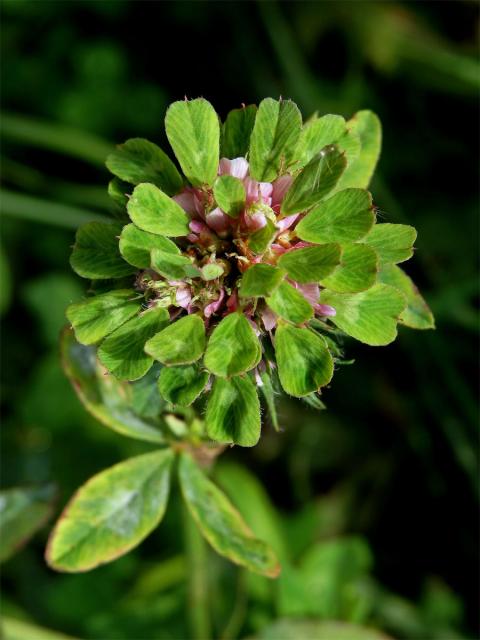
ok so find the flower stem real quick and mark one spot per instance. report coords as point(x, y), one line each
point(197, 557)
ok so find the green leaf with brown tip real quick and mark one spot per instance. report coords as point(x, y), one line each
point(221, 524)
point(153, 211)
point(193, 131)
point(233, 347)
point(136, 245)
point(303, 359)
point(96, 317)
point(417, 315)
point(357, 270)
point(290, 304)
point(122, 352)
point(370, 316)
point(95, 254)
point(229, 194)
point(311, 264)
point(182, 385)
point(260, 280)
point(237, 131)
point(138, 160)
point(233, 412)
point(181, 342)
point(345, 217)
point(392, 242)
point(111, 513)
point(315, 181)
point(274, 138)
point(358, 174)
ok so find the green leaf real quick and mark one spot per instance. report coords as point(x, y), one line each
point(182, 385)
point(315, 181)
point(13, 629)
point(111, 513)
point(260, 280)
point(181, 342)
point(95, 254)
point(316, 135)
point(268, 393)
point(96, 317)
point(359, 173)
point(230, 195)
point(122, 352)
point(392, 242)
point(170, 265)
point(221, 524)
point(233, 412)
point(117, 190)
point(106, 398)
point(152, 210)
point(237, 131)
point(211, 271)
point(145, 397)
point(417, 315)
point(233, 347)
point(296, 629)
point(274, 138)
point(290, 304)
point(261, 239)
point(194, 132)
point(136, 245)
point(357, 270)
point(370, 316)
point(303, 359)
point(311, 264)
point(22, 512)
point(138, 160)
point(345, 217)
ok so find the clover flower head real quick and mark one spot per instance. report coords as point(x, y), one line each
point(241, 275)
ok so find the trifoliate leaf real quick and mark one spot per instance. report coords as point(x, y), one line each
point(182, 385)
point(95, 254)
point(96, 317)
point(236, 132)
point(110, 401)
point(112, 513)
point(370, 316)
point(260, 280)
point(357, 270)
point(261, 239)
point(233, 412)
point(221, 524)
point(182, 342)
point(311, 264)
point(233, 347)
point(122, 352)
point(211, 271)
point(345, 217)
point(359, 172)
point(138, 160)
point(317, 134)
point(303, 359)
point(274, 138)
point(194, 132)
point(171, 265)
point(135, 246)
point(392, 242)
point(229, 194)
point(417, 315)
point(22, 512)
point(288, 303)
point(152, 210)
point(315, 181)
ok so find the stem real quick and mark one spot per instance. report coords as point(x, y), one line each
point(197, 559)
point(237, 617)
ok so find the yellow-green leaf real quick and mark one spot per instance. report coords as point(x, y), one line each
point(95, 254)
point(153, 211)
point(417, 315)
point(237, 130)
point(182, 385)
point(233, 347)
point(357, 270)
point(290, 304)
point(392, 242)
point(181, 342)
point(311, 264)
point(260, 280)
point(229, 194)
point(136, 245)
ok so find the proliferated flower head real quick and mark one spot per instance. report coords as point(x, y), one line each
point(241, 274)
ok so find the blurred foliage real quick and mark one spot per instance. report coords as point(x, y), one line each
point(372, 504)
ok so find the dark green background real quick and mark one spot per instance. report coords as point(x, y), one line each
point(396, 451)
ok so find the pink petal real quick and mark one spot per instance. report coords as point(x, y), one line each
point(238, 168)
point(214, 306)
point(232, 302)
point(277, 248)
point(286, 223)
point(257, 191)
point(311, 292)
point(269, 319)
point(280, 188)
point(218, 220)
point(324, 310)
point(183, 297)
point(186, 199)
point(255, 221)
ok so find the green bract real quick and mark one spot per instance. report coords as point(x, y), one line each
point(241, 261)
